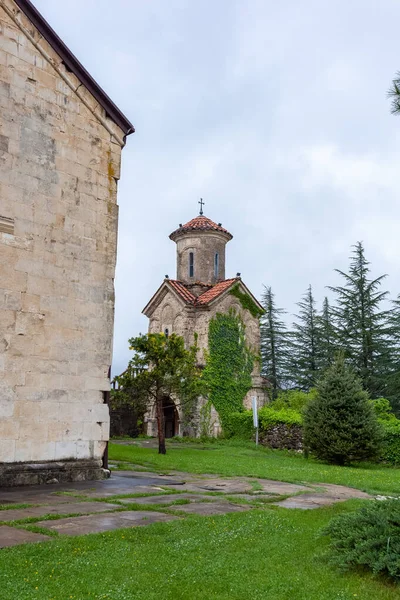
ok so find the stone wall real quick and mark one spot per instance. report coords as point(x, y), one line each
point(59, 167)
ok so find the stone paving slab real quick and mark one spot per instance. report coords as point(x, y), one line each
point(227, 486)
point(332, 495)
point(167, 499)
point(212, 508)
point(105, 522)
point(83, 508)
point(10, 536)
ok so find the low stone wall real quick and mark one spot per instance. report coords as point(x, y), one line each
point(15, 474)
point(283, 437)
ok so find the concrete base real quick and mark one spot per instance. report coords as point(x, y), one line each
point(15, 474)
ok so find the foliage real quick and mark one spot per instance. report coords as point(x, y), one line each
point(394, 94)
point(229, 364)
point(363, 328)
point(383, 410)
point(294, 399)
point(128, 395)
point(391, 442)
point(164, 368)
point(275, 344)
point(328, 342)
point(240, 424)
point(306, 344)
point(246, 301)
point(340, 425)
point(369, 537)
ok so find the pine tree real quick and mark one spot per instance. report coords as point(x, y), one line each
point(392, 374)
point(363, 329)
point(328, 345)
point(306, 337)
point(340, 425)
point(275, 345)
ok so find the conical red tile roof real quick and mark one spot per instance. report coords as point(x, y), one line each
point(200, 223)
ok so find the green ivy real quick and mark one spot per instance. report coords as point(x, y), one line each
point(229, 365)
point(246, 301)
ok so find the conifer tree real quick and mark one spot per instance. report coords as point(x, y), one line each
point(327, 336)
point(340, 425)
point(306, 338)
point(362, 327)
point(275, 345)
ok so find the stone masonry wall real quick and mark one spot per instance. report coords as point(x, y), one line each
point(59, 167)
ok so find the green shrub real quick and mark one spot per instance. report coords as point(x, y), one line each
point(268, 417)
point(239, 425)
point(391, 442)
point(369, 537)
point(340, 425)
point(383, 410)
point(293, 399)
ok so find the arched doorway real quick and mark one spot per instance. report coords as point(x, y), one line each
point(171, 419)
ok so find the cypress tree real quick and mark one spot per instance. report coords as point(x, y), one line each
point(340, 425)
point(363, 328)
point(306, 344)
point(275, 345)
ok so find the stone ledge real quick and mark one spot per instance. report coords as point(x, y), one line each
point(36, 473)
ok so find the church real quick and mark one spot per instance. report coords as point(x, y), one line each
point(186, 305)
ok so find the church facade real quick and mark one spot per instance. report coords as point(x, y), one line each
point(186, 305)
point(61, 138)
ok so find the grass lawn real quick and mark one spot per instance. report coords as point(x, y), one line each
point(273, 554)
point(242, 458)
point(270, 553)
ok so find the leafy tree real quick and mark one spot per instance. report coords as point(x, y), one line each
point(127, 395)
point(362, 327)
point(327, 336)
point(306, 344)
point(340, 424)
point(275, 344)
point(394, 94)
point(229, 364)
point(164, 368)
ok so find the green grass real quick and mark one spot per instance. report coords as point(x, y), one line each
point(273, 553)
point(243, 459)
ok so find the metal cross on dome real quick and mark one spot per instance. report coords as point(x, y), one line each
point(201, 206)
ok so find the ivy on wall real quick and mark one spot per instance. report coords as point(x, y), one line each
point(246, 301)
point(229, 365)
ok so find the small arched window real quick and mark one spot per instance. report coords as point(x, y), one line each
point(191, 264)
point(216, 264)
point(166, 332)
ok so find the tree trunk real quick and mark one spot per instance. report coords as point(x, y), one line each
point(160, 426)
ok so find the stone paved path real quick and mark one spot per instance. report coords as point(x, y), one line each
point(97, 506)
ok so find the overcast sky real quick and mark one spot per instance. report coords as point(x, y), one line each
point(274, 112)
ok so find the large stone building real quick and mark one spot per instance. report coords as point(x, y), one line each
point(186, 305)
point(60, 147)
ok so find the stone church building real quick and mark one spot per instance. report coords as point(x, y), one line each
point(186, 305)
point(61, 138)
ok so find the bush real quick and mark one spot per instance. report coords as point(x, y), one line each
point(293, 399)
point(369, 537)
point(391, 442)
point(340, 425)
point(239, 425)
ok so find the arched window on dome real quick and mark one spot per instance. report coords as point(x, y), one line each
point(191, 264)
point(216, 264)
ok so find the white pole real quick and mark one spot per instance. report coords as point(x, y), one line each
point(255, 416)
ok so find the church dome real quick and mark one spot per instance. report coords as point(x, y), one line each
point(200, 224)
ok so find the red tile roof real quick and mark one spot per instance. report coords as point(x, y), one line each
point(183, 291)
point(215, 291)
point(206, 297)
point(200, 223)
